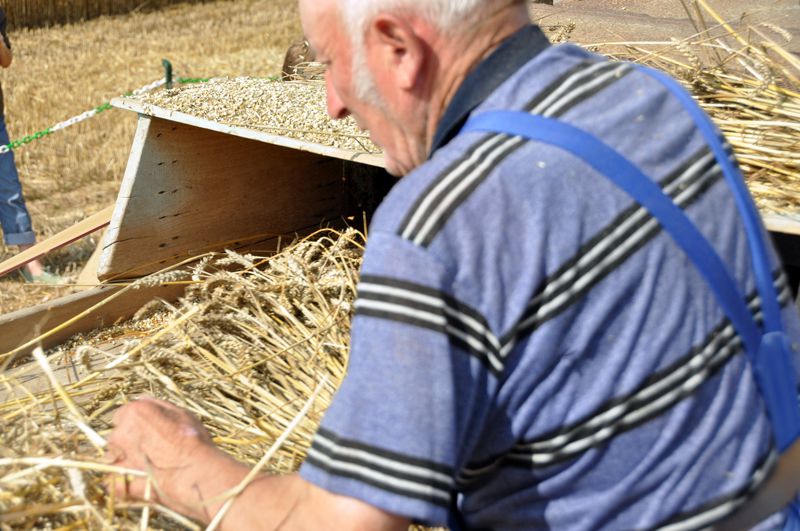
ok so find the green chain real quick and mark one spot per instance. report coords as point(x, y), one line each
point(100, 108)
point(186, 80)
point(28, 139)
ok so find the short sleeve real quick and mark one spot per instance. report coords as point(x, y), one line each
point(396, 430)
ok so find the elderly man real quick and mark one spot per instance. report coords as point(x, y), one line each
point(530, 349)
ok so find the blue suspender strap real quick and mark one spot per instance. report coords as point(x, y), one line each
point(767, 352)
point(643, 190)
point(747, 209)
point(773, 367)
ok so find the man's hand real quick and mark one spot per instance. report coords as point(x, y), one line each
point(189, 474)
point(186, 469)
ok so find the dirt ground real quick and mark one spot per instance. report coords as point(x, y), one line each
point(62, 71)
point(661, 20)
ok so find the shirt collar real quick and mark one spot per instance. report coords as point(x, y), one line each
point(490, 73)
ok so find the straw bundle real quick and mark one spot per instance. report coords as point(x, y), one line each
point(244, 350)
point(751, 88)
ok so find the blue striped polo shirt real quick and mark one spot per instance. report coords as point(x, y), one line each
point(529, 348)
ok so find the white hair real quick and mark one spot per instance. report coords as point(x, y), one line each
point(445, 15)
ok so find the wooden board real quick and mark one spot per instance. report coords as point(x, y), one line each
point(88, 275)
point(189, 190)
point(782, 223)
point(277, 140)
point(65, 237)
point(18, 328)
point(29, 379)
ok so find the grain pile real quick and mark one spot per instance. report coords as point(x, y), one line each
point(296, 109)
point(244, 350)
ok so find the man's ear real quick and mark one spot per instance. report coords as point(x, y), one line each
point(397, 48)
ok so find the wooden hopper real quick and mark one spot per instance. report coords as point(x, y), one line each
point(193, 186)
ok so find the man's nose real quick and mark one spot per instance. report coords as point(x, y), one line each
point(336, 108)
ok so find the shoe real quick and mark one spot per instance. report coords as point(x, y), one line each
point(46, 277)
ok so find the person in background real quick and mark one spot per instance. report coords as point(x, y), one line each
point(14, 217)
point(299, 54)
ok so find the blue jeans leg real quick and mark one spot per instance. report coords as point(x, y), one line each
point(14, 217)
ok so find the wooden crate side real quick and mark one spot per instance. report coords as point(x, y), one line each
point(19, 328)
point(147, 109)
point(189, 190)
point(124, 195)
point(782, 224)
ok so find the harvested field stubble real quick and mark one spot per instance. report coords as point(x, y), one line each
point(36, 13)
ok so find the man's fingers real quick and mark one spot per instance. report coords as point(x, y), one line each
point(120, 485)
point(157, 437)
point(139, 404)
point(137, 487)
point(170, 417)
point(122, 414)
point(114, 454)
point(152, 401)
point(127, 487)
point(153, 410)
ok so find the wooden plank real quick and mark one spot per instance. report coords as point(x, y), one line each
point(19, 328)
point(278, 140)
point(782, 223)
point(65, 237)
point(88, 275)
point(28, 378)
point(189, 190)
